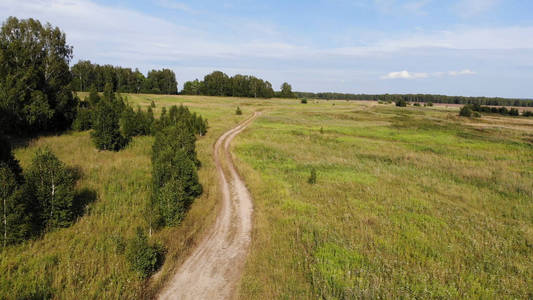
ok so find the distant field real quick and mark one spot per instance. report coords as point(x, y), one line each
point(409, 202)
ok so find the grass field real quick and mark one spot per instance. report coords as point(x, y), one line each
point(410, 202)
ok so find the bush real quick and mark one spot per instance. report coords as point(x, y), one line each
point(416, 104)
point(527, 113)
point(514, 112)
point(52, 184)
point(428, 104)
point(465, 111)
point(304, 101)
point(152, 104)
point(476, 114)
point(401, 103)
point(143, 257)
point(312, 177)
point(238, 111)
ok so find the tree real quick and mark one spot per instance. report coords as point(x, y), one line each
point(465, 111)
point(52, 185)
point(238, 111)
point(35, 93)
point(107, 134)
point(143, 257)
point(286, 91)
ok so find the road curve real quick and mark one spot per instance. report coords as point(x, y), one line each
point(214, 268)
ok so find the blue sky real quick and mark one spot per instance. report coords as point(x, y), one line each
point(455, 47)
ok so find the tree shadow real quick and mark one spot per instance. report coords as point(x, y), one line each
point(82, 198)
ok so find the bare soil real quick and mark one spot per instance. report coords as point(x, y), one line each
point(214, 268)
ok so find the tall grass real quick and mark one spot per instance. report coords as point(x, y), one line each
point(408, 203)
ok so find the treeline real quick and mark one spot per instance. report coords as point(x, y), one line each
point(38, 200)
point(124, 80)
point(174, 166)
point(219, 84)
point(426, 98)
point(475, 110)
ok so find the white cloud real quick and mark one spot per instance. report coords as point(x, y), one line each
point(405, 75)
point(408, 75)
point(174, 5)
point(470, 8)
point(462, 72)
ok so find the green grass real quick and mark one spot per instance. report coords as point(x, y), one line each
point(409, 203)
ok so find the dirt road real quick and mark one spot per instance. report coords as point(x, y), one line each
point(215, 266)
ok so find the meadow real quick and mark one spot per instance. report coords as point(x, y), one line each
point(409, 202)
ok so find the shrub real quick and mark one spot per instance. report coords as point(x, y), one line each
point(152, 104)
point(527, 113)
point(312, 177)
point(514, 112)
point(401, 103)
point(416, 104)
point(304, 101)
point(238, 111)
point(428, 104)
point(476, 114)
point(465, 111)
point(143, 257)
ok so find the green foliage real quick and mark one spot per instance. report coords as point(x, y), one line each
point(107, 134)
point(123, 80)
point(220, 84)
point(84, 119)
point(476, 114)
point(174, 176)
point(34, 78)
point(238, 111)
point(416, 104)
point(152, 104)
point(401, 103)
point(286, 91)
point(312, 177)
point(426, 98)
point(428, 104)
point(143, 257)
point(52, 184)
point(16, 217)
point(527, 113)
point(303, 101)
point(466, 111)
point(514, 112)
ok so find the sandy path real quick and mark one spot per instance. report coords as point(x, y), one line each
point(214, 268)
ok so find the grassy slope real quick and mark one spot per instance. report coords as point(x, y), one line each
point(82, 261)
point(409, 203)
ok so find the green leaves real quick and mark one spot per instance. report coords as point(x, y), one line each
point(34, 78)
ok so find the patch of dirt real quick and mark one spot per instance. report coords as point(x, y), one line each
point(214, 268)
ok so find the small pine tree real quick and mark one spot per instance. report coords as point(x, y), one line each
point(152, 104)
point(312, 177)
point(238, 111)
point(107, 134)
point(304, 101)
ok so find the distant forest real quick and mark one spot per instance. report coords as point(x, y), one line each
point(220, 84)
point(426, 98)
point(124, 80)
